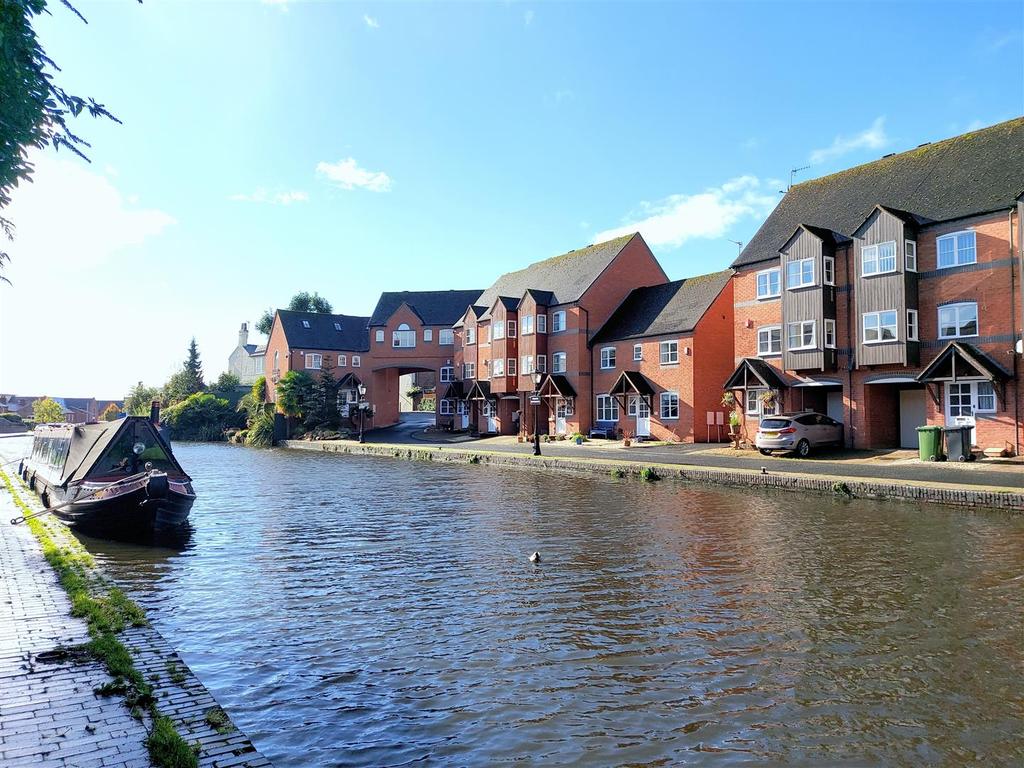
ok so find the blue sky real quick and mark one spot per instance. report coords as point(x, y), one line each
point(272, 147)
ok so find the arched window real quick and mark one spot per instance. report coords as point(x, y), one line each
point(403, 337)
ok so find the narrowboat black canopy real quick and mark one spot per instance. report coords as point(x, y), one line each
point(106, 448)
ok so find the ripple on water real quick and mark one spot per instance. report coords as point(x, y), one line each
point(369, 612)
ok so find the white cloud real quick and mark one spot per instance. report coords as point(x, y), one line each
point(71, 212)
point(870, 138)
point(528, 18)
point(371, 22)
point(708, 214)
point(348, 175)
point(261, 195)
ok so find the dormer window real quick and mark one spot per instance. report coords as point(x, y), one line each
point(878, 259)
point(337, 326)
point(800, 273)
point(403, 337)
point(305, 323)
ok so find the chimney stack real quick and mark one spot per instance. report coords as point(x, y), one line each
point(243, 335)
point(154, 413)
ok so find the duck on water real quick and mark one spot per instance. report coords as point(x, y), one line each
point(110, 478)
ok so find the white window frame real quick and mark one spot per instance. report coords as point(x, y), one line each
point(828, 270)
point(542, 323)
point(804, 281)
point(342, 361)
point(829, 332)
point(955, 238)
point(668, 352)
point(991, 393)
point(527, 329)
point(305, 323)
point(607, 358)
point(556, 358)
point(444, 407)
point(510, 328)
point(498, 368)
point(337, 326)
point(910, 255)
point(314, 361)
point(499, 330)
point(874, 252)
point(401, 336)
point(542, 363)
point(379, 335)
point(768, 293)
point(767, 331)
point(526, 365)
point(813, 344)
point(758, 408)
point(447, 374)
point(510, 367)
point(428, 334)
point(913, 325)
point(956, 312)
point(470, 335)
point(607, 408)
point(671, 400)
point(558, 321)
point(356, 361)
point(446, 337)
point(469, 370)
point(877, 316)
point(638, 353)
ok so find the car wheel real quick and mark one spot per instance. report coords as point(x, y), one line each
point(803, 449)
point(765, 451)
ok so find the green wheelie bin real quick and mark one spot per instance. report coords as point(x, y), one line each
point(929, 443)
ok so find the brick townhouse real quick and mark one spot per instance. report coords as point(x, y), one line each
point(411, 332)
point(660, 360)
point(311, 341)
point(541, 319)
point(889, 296)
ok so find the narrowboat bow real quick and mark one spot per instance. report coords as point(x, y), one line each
point(114, 477)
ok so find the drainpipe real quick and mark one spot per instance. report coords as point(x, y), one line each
point(1018, 334)
point(590, 368)
point(852, 338)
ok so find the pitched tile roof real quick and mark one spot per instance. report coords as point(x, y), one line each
point(565, 277)
point(674, 307)
point(973, 173)
point(354, 336)
point(433, 307)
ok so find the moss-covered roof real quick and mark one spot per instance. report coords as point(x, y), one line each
point(973, 173)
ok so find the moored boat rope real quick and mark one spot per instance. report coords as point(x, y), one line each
point(108, 486)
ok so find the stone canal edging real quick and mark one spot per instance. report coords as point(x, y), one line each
point(949, 494)
point(60, 706)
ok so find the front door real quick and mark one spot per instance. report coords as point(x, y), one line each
point(912, 415)
point(491, 412)
point(462, 411)
point(960, 405)
point(643, 418)
point(561, 411)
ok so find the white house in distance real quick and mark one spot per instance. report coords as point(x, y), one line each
point(246, 361)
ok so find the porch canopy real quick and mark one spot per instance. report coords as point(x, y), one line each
point(456, 390)
point(556, 385)
point(754, 373)
point(481, 390)
point(349, 381)
point(962, 361)
point(630, 384)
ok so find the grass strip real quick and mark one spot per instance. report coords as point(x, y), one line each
point(107, 611)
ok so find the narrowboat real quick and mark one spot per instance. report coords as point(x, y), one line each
point(110, 478)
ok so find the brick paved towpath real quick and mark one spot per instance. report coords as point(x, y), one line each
point(50, 716)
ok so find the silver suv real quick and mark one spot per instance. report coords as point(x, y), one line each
point(798, 433)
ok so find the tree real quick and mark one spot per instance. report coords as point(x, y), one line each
point(193, 369)
point(293, 393)
point(304, 301)
point(200, 416)
point(139, 398)
point(47, 411)
point(35, 109)
point(110, 413)
point(322, 407)
point(226, 384)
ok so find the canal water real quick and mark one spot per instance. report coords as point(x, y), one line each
point(374, 612)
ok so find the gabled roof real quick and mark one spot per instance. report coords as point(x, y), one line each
point(321, 334)
point(432, 307)
point(960, 360)
point(674, 307)
point(632, 383)
point(973, 173)
point(481, 390)
point(543, 298)
point(755, 373)
point(566, 277)
point(556, 385)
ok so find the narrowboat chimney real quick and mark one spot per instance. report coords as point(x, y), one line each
point(154, 413)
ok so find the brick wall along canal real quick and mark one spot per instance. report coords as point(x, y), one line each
point(369, 612)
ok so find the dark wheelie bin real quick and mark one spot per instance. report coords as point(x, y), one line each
point(958, 443)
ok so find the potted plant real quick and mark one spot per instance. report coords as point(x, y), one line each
point(728, 399)
point(768, 399)
point(734, 428)
point(627, 440)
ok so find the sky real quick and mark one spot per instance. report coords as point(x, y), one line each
point(269, 147)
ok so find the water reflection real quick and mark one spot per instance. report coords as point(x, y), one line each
point(352, 611)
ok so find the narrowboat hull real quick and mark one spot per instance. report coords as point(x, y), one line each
point(133, 513)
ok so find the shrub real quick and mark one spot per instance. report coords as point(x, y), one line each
point(649, 474)
point(200, 416)
point(14, 418)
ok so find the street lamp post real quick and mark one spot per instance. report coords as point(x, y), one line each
point(362, 410)
point(537, 377)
